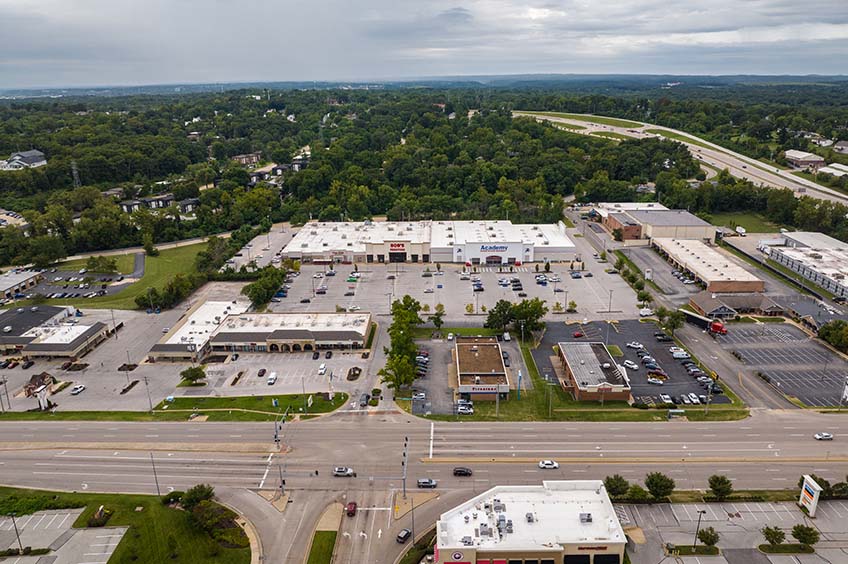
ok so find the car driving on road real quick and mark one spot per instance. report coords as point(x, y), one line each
point(548, 464)
point(823, 436)
point(77, 390)
point(344, 472)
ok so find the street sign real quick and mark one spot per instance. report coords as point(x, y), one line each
point(309, 401)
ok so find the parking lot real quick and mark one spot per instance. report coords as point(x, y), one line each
point(795, 364)
point(81, 285)
point(263, 248)
point(378, 285)
point(661, 274)
point(679, 382)
point(53, 529)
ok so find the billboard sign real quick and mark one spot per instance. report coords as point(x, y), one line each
point(810, 492)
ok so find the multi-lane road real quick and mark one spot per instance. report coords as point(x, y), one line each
point(769, 450)
point(706, 152)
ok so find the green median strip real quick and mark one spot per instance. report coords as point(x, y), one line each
point(323, 543)
point(238, 408)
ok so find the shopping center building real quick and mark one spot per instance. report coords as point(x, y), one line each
point(472, 242)
point(226, 327)
point(557, 522)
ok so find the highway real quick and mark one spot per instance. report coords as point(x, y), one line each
point(711, 154)
point(769, 450)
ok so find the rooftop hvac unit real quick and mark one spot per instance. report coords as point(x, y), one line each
point(335, 228)
point(344, 235)
point(499, 506)
point(467, 541)
point(530, 518)
point(313, 232)
point(585, 517)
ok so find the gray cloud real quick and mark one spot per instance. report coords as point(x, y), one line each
point(95, 42)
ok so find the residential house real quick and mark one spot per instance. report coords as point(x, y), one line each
point(248, 158)
point(24, 159)
point(841, 147)
point(189, 205)
point(158, 202)
point(129, 206)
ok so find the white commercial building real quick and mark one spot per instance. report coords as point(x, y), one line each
point(835, 169)
point(499, 242)
point(474, 242)
point(815, 256)
point(18, 282)
point(558, 522)
point(226, 327)
point(603, 209)
point(803, 159)
point(711, 266)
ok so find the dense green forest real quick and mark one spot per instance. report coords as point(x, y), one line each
point(406, 153)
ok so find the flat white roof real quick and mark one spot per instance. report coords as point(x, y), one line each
point(11, 279)
point(447, 234)
point(202, 322)
point(563, 512)
point(802, 155)
point(592, 365)
point(818, 252)
point(56, 334)
point(707, 263)
point(322, 237)
point(603, 209)
point(814, 240)
point(267, 322)
point(833, 171)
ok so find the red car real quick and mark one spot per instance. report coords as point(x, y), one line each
point(351, 509)
point(577, 334)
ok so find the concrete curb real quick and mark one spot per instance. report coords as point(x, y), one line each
point(334, 506)
point(636, 461)
point(256, 553)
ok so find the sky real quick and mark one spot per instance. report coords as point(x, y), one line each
point(56, 43)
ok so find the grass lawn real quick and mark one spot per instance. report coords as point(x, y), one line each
point(425, 332)
point(571, 126)
point(611, 135)
point(786, 549)
point(699, 550)
point(256, 403)
point(567, 221)
point(696, 496)
point(752, 222)
point(157, 271)
point(679, 137)
point(149, 531)
point(615, 122)
point(812, 178)
point(126, 263)
point(615, 350)
point(323, 543)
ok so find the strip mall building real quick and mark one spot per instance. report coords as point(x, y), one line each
point(471, 242)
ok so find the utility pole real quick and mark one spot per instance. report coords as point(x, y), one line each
point(149, 400)
point(155, 477)
point(404, 463)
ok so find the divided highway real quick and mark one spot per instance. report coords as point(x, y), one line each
point(709, 153)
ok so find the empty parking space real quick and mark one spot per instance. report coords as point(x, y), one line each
point(754, 514)
point(763, 334)
point(808, 355)
point(40, 529)
point(820, 388)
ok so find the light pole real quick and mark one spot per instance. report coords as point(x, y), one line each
point(17, 533)
point(701, 513)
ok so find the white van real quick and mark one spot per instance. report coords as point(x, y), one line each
point(680, 355)
point(506, 337)
point(272, 378)
point(322, 369)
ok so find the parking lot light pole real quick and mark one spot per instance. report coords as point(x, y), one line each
point(17, 533)
point(701, 513)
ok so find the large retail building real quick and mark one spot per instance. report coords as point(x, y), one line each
point(226, 327)
point(471, 242)
point(48, 332)
point(558, 522)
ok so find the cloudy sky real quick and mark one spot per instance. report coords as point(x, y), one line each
point(117, 42)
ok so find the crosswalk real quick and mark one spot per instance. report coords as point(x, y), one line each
point(502, 269)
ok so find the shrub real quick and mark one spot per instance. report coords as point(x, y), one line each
point(637, 493)
point(99, 519)
point(773, 535)
point(172, 497)
point(660, 485)
point(196, 494)
point(616, 485)
point(721, 487)
point(708, 536)
point(806, 535)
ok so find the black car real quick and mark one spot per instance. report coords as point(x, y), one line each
point(235, 356)
point(316, 355)
point(262, 372)
point(404, 535)
point(522, 294)
point(27, 364)
point(305, 301)
point(329, 354)
point(462, 471)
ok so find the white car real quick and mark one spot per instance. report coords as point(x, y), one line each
point(631, 365)
point(635, 345)
point(548, 464)
point(77, 390)
point(353, 308)
point(645, 312)
point(317, 275)
point(450, 336)
point(464, 410)
point(666, 399)
point(428, 291)
point(655, 381)
point(673, 350)
point(823, 436)
point(688, 281)
point(344, 472)
point(419, 396)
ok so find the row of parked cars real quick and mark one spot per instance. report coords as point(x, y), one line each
point(14, 363)
point(93, 294)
